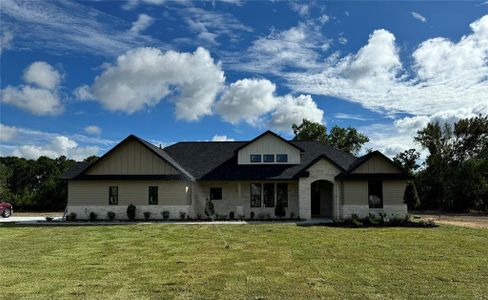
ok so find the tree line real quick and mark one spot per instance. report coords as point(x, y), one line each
point(453, 176)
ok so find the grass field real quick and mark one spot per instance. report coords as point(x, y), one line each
point(262, 262)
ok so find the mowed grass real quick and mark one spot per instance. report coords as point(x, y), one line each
point(263, 262)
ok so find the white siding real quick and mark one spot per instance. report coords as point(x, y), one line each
point(132, 158)
point(269, 144)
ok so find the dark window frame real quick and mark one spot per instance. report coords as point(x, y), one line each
point(272, 156)
point(256, 197)
point(285, 194)
point(112, 195)
point(151, 190)
point(211, 194)
point(375, 189)
point(255, 156)
point(269, 202)
point(279, 158)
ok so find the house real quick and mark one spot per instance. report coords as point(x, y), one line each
point(310, 179)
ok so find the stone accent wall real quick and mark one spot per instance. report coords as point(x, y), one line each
point(83, 212)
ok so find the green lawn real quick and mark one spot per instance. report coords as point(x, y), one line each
point(263, 261)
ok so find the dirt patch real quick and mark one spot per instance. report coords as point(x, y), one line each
point(464, 220)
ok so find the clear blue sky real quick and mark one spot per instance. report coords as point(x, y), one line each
point(77, 77)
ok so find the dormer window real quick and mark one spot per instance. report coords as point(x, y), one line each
point(255, 158)
point(281, 158)
point(267, 158)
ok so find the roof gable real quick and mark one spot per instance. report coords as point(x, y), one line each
point(268, 132)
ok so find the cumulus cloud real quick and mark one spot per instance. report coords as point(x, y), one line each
point(6, 38)
point(40, 95)
point(59, 145)
point(222, 138)
point(254, 101)
point(92, 129)
point(142, 77)
point(445, 75)
point(8, 133)
point(419, 17)
point(142, 23)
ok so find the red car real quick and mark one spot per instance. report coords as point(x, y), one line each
point(6, 209)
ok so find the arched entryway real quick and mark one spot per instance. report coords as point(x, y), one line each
point(322, 195)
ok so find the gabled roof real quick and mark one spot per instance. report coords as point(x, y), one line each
point(266, 133)
point(82, 169)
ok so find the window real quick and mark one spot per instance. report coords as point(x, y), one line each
point(282, 194)
point(268, 195)
point(281, 157)
point(113, 195)
point(375, 194)
point(153, 195)
point(268, 158)
point(255, 158)
point(215, 193)
point(255, 195)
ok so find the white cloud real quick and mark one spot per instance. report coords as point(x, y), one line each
point(7, 133)
point(142, 23)
point(248, 100)
point(418, 16)
point(221, 138)
point(42, 99)
point(342, 40)
point(6, 38)
point(92, 129)
point(343, 116)
point(83, 93)
point(68, 27)
point(130, 4)
point(142, 77)
point(298, 47)
point(43, 75)
point(445, 75)
point(253, 101)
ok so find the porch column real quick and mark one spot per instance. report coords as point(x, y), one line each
point(304, 198)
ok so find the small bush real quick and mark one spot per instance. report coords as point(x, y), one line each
point(356, 221)
point(280, 211)
point(372, 220)
point(220, 217)
point(188, 218)
point(252, 215)
point(209, 208)
point(241, 217)
point(199, 216)
point(231, 215)
point(131, 212)
point(165, 215)
point(71, 217)
point(111, 215)
point(182, 215)
point(49, 219)
point(93, 216)
point(147, 216)
point(292, 215)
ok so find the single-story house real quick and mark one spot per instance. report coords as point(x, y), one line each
point(309, 178)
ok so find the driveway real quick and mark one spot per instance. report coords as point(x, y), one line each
point(15, 219)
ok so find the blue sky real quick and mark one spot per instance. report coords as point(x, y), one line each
point(77, 77)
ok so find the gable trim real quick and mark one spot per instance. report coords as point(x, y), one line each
point(265, 133)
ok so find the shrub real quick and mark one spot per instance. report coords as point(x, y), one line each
point(241, 217)
point(231, 215)
point(182, 215)
point(165, 215)
point(111, 215)
point(356, 221)
point(49, 219)
point(252, 215)
point(188, 217)
point(131, 212)
point(220, 217)
point(280, 211)
point(147, 216)
point(383, 218)
point(292, 215)
point(199, 216)
point(93, 216)
point(372, 220)
point(71, 217)
point(209, 208)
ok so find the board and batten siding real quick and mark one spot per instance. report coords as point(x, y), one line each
point(132, 158)
point(355, 192)
point(376, 164)
point(95, 193)
point(268, 144)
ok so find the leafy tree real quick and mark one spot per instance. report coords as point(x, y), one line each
point(411, 197)
point(346, 139)
point(91, 159)
point(408, 160)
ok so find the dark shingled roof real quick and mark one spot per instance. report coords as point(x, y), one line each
point(75, 170)
point(218, 160)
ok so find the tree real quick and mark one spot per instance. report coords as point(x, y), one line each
point(91, 159)
point(346, 139)
point(407, 160)
point(411, 197)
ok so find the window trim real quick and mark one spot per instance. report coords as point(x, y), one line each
point(282, 155)
point(149, 195)
point(382, 194)
point(210, 193)
point(113, 195)
point(269, 155)
point(255, 155)
point(260, 194)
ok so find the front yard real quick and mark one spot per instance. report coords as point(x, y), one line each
point(262, 262)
